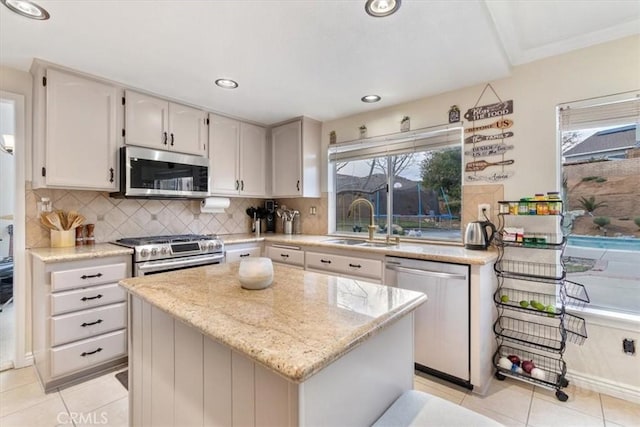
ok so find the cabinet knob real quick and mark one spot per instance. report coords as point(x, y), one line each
point(237, 184)
point(87, 353)
point(242, 185)
point(172, 139)
point(111, 172)
point(164, 138)
point(298, 185)
point(325, 261)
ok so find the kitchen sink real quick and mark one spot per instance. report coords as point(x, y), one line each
point(357, 242)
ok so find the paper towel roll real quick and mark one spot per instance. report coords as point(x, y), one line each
point(214, 204)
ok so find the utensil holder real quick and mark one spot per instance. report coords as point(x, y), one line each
point(288, 226)
point(63, 238)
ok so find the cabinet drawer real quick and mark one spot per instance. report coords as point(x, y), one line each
point(239, 254)
point(88, 353)
point(286, 256)
point(352, 266)
point(88, 323)
point(81, 299)
point(89, 276)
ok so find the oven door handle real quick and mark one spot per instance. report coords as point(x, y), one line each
point(180, 263)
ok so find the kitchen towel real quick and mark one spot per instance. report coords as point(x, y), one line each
point(214, 204)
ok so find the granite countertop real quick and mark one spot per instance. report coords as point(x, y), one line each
point(296, 327)
point(75, 253)
point(424, 251)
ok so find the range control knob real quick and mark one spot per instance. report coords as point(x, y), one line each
point(144, 253)
point(164, 250)
point(154, 251)
point(211, 246)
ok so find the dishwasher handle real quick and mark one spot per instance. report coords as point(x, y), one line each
point(426, 273)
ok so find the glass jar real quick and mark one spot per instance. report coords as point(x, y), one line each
point(513, 208)
point(523, 207)
point(555, 203)
point(503, 208)
point(532, 208)
point(542, 208)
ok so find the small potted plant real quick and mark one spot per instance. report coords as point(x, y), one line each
point(405, 124)
point(363, 131)
point(332, 137)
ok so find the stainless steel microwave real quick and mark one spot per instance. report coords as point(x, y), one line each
point(149, 173)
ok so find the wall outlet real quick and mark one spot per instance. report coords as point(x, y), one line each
point(487, 211)
point(312, 210)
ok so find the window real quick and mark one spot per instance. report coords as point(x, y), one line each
point(601, 170)
point(412, 180)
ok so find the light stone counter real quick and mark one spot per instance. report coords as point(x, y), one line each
point(75, 253)
point(296, 327)
point(423, 251)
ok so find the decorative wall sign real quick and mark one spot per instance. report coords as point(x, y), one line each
point(479, 138)
point(332, 137)
point(480, 165)
point(500, 124)
point(488, 150)
point(495, 177)
point(454, 114)
point(489, 111)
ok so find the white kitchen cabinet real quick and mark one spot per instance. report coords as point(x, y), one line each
point(157, 123)
point(237, 157)
point(75, 131)
point(239, 251)
point(290, 255)
point(80, 325)
point(296, 159)
point(345, 265)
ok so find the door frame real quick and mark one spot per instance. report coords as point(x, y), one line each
point(20, 294)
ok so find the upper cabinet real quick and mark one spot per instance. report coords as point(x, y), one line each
point(296, 159)
point(75, 132)
point(156, 123)
point(237, 154)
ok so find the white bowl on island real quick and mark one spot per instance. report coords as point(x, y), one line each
point(255, 273)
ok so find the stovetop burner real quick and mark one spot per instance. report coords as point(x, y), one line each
point(156, 240)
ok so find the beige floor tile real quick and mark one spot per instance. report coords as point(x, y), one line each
point(22, 397)
point(509, 398)
point(17, 377)
point(612, 424)
point(114, 414)
point(580, 399)
point(620, 411)
point(93, 394)
point(502, 419)
point(545, 413)
point(440, 388)
point(51, 412)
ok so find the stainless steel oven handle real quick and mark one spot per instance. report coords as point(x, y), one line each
point(180, 263)
point(428, 273)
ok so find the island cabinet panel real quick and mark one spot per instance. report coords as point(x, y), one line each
point(181, 377)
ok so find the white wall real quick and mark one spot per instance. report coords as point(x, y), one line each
point(536, 89)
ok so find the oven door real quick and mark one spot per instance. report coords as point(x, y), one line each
point(163, 266)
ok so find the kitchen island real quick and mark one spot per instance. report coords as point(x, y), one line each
point(312, 349)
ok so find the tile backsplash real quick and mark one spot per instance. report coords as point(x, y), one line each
point(118, 218)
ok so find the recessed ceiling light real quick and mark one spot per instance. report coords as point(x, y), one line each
point(227, 83)
point(26, 8)
point(370, 98)
point(380, 8)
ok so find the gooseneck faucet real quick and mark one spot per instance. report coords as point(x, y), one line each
point(372, 225)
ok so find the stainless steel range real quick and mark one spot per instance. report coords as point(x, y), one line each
point(159, 254)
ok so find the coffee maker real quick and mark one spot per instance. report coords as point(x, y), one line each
point(270, 218)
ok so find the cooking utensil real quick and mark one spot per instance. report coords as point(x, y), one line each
point(74, 220)
point(480, 165)
point(44, 220)
point(54, 219)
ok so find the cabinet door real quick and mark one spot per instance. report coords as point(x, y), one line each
point(224, 137)
point(80, 132)
point(186, 128)
point(287, 140)
point(253, 145)
point(146, 121)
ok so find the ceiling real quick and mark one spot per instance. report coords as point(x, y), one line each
point(306, 57)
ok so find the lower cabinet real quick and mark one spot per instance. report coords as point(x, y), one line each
point(345, 265)
point(290, 255)
point(239, 251)
point(79, 318)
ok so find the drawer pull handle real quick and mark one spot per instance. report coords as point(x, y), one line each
point(84, 325)
point(325, 261)
point(244, 255)
point(284, 255)
point(88, 353)
point(355, 265)
point(90, 298)
point(91, 276)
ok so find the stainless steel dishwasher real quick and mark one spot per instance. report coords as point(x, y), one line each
point(442, 323)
